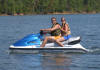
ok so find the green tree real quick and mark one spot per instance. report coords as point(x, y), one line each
point(93, 5)
point(76, 6)
point(4, 6)
point(62, 5)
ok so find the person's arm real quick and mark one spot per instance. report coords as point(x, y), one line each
point(66, 29)
point(51, 29)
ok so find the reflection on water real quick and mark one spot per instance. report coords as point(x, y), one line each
point(56, 61)
point(43, 61)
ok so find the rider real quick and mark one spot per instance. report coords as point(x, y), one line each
point(54, 31)
point(65, 31)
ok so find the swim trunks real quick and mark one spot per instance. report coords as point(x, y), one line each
point(67, 37)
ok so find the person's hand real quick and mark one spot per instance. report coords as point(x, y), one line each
point(61, 29)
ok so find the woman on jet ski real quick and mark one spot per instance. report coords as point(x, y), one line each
point(65, 31)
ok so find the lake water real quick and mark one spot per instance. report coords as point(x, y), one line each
point(13, 28)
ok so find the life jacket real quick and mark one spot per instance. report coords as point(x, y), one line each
point(56, 32)
point(63, 26)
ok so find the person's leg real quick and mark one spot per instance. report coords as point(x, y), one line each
point(61, 39)
point(44, 42)
point(58, 41)
point(46, 39)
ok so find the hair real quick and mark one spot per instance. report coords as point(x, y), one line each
point(63, 18)
point(53, 18)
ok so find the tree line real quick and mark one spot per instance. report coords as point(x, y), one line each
point(11, 7)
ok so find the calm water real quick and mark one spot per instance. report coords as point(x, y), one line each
point(12, 28)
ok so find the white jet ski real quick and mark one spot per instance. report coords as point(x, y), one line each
point(33, 42)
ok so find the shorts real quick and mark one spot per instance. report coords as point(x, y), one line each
point(57, 37)
point(67, 37)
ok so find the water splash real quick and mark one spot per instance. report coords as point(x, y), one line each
point(94, 50)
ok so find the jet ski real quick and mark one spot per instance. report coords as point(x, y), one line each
point(33, 42)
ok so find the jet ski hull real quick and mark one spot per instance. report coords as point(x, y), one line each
point(67, 48)
point(33, 42)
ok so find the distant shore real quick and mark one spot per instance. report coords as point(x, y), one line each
point(22, 14)
point(74, 12)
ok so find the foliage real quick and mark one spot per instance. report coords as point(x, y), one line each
point(48, 6)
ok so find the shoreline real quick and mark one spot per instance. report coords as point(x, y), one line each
point(74, 12)
point(54, 13)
